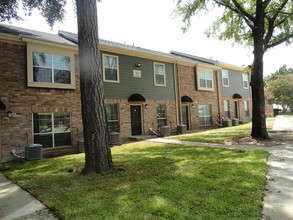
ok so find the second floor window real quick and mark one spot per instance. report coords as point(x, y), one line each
point(245, 80)
point(225, 78)
point(205, 79)
point(110, 68)
point(159, 74)
point(51, 68)
point(112, 117)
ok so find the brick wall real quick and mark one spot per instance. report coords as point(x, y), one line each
point(187, 87)
point(23, 101)
point(149, 115)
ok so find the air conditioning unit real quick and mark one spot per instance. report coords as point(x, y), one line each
point(34, 152)
point(114, 138)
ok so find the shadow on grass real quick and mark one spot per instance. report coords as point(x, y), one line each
point(160, 181)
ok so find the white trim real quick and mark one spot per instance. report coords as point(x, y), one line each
point(51, 50)
point(226, 72)
point(104, 72)
point(244, 75)
point(155, 81)
point(198, 79)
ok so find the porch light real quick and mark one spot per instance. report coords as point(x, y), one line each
point(146, 106)
point(9, 114)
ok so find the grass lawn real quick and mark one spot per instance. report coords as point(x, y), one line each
point(159, 181)
point(220, 135)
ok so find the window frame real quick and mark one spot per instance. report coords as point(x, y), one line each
point(104, 68)
point(205, 70)
point(155, 79)
point(226, 72)
point(245, 78)
point(68, 52)
point(205, 116)
point(246, 108)
point(53, 133)
point(226, 111)
point(116, 120)
point(161, 119)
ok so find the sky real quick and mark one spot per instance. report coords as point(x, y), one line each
point(150, 24)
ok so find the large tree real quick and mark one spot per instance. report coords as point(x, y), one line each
point(262, 24)
point(98, 157)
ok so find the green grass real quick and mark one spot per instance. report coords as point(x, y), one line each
point(221, 135)
point(159, 181)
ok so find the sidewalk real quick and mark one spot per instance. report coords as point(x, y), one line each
point(18, 204)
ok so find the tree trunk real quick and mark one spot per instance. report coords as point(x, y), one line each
point(98, 157)
point(259, 129)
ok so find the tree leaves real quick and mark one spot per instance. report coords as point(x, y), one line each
point(51, 10)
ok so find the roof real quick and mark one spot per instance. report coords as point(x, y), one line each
point(194, 58)
point(32, 34)
point(74, 38)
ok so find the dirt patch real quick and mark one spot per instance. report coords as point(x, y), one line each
point(277, 138)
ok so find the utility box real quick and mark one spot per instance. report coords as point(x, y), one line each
point(80, 146)
point(34, 152)
point(235, 121)
point(227, 123)
point(165, 131)
point(114, 138)
point(181, 129)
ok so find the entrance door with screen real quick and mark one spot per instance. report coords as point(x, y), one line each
point(135, 113)
point(185, 116)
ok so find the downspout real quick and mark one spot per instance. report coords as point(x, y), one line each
point(219, 96)
point(176, 86)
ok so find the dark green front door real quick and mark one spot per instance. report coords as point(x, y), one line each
point(135, 111)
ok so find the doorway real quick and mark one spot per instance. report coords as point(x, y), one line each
point(136, 125)
point(185, 115)
point(236, 113)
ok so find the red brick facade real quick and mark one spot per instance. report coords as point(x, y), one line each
point(24, 101)
point(187, 87)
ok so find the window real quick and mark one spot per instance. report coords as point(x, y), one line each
point(205, 78)
point(246, 108)
point(52, 129)
point(161, 115)
point(112, 117)
point(110, 68)
point(50, 68)
point(225, 78)
point(159, 74)
point(204, 114)
point(245, 80)
point(226, 109)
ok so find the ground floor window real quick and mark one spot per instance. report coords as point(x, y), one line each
point(161, 115)
point(246, 108)
point(226, 109)
point(204, 115)
point(52, 129)
point(112, 117)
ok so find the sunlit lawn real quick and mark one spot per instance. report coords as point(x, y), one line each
point(221, 135)
point(159, 181)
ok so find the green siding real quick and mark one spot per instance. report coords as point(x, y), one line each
point(144, 85)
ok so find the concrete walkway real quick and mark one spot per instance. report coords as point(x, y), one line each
point(282, 123)
point(17, 203)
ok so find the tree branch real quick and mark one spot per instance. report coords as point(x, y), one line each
point(237, 11)
point(242, 11)
point(279, 41)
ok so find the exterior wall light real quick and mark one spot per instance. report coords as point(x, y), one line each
point(9, 114)
point(146, 106)
point(137, 64)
